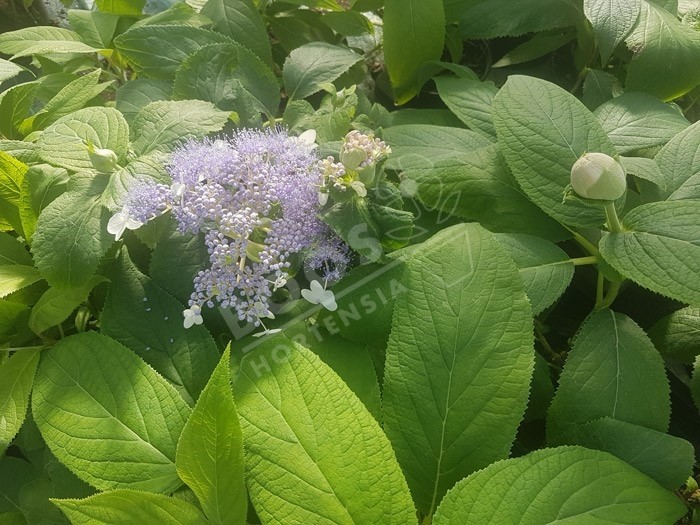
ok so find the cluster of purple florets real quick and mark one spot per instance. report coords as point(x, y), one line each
point(255, 197)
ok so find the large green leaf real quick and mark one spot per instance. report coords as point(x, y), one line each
point(471, 101)
point(157, 51)
point(16, 379)
point(210, 451)
point(414, 33)
point(661, 43)
point(56, 304)
point(107, 415)
point(456, 388)
point(613, 370)
point(313, 452)
point(136, 94)
point(478, 186)
point(12, 174)
point(15, 104)
point(42, 184)
point(63, 143)
point(559, 485)
point(14, 277)
point(12, 251)
point(310, 66)
point(240, 21)
point(635, 121)
point(42, 40)
point(546, 270)
point(9, 70)
point(679, 161)
point(676, 335)
point(126, 507)
point(95, 29)
point(612, 22)
point(145, 318)
point(542, 131)
point(162, 125)
point(191, 254)
point(121, 7)
point(659, 249)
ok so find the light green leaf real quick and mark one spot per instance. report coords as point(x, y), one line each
point(612, 22)
point(313, 452)
point(423, 146)
point(310, 66)
point(15, 105)
point(599, 87)
point(56, 304)
point(210, 451)
point(414, 33)
point(63, 143)
point(71, 237)
point(9, 70)
point(158, 51)
point(136, 94)
point(546, 270)
point(126, 507)
point(179, 13)
point(41, 185)
point(42, 40)
point(16, 379)
point(13, 318)
point(542, 131)
point(497, 18)
point(95, 29)
point(478, 186)
point(661, 43)
point(12, 251)
point(666, 459)
point(676, 335)
point(12, 173)
point(121, 7)
point(613, 370)
point(141, 316)
point(559, 485)
point(455, 389)
point(471, 101)
point(241, 21)
point(679, 161)
point(20, 149)
point(335, 5)
point(107, 415)
point(659, 249)
point(232, 78)
point(14, 277)
point(635, 121)
point(162, 125)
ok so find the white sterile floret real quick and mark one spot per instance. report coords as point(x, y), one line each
point(192, 316)
point(319, 295)
point(121, 221)
point(359, 188)
point(268, 332)
point(308, 137)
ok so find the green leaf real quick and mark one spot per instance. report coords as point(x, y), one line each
point(148, 320)
point(121, 7)
point(423, 146)
point(695, 383)
point(42, 40)
point(612, 22)
point(9, 70)
point(125, 507)
point(14, 277)
point(13, 318)
point(546, 270)
point(136, 94)
point(478, 186)
point(310, 66)
point(666, 459)
point(471, 101)
point(241, 21)
point(313, 452)
point(163, 125)
point(191, 254)
point(41, 185)
point(661, 43)
point(635, 121)
point(12, 173)
point(12, 251)
point(157, 51)
point(542, 131)
point(71, 237)
point(679, 161)
point(676, 335)
point(107, 415)
point(613, 370)
point(179, 13)
point(95, 29)
point(599, 87)
point(414, 33)
point(232, 78)
point(498, 18)
point(539, 45)
point(455, 389)
point(56, 305)
point(565, 485)
point(210, 451)
point(63, 143)
point(659, 248)
point(16, 379)
point(15, 105)
point(348, 23)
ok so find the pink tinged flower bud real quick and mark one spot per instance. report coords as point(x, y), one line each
point(598, 176)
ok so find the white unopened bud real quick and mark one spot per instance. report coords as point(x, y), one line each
point(103, 160)
point(598, 176)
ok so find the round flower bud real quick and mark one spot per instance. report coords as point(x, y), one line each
point(103, 160)
point(598, 176)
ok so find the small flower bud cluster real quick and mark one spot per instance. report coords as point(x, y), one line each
point(360, 151)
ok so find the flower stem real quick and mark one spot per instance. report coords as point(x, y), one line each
point(610, 296)
point(613, 220)
point(582, 261)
